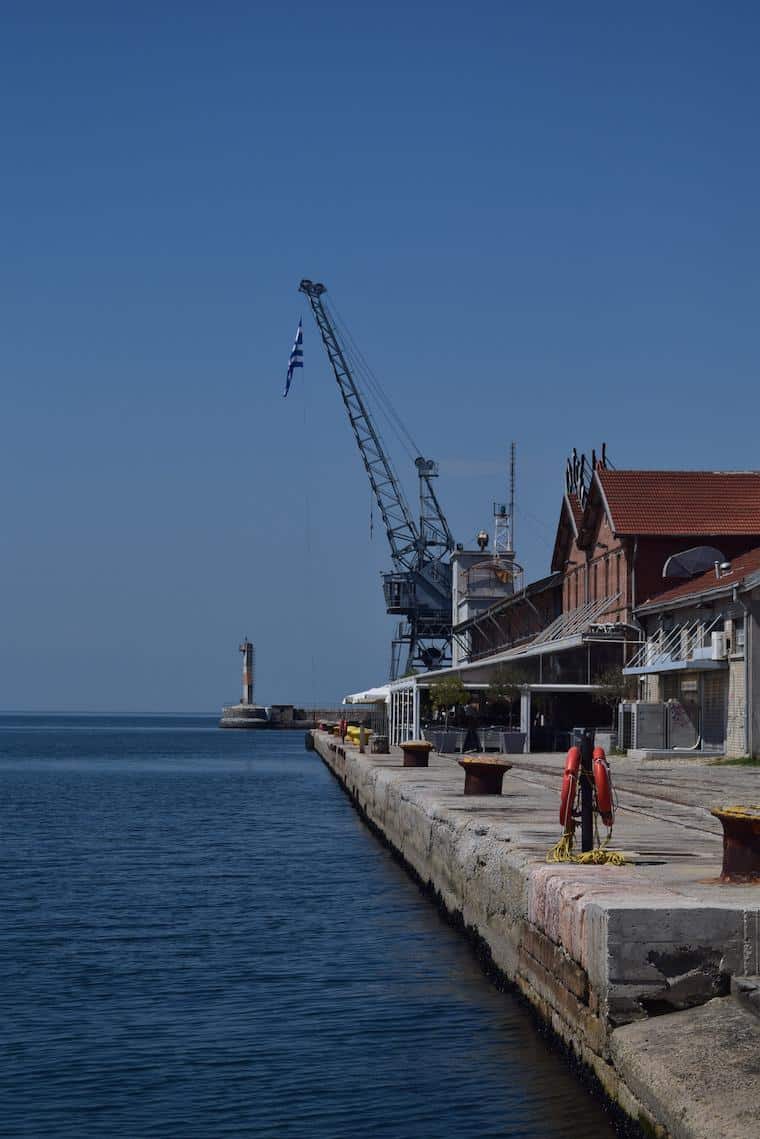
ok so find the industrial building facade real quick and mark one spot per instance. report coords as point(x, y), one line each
point(621, 597)
point(698, 667)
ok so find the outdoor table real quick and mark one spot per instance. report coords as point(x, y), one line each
point(483, 774)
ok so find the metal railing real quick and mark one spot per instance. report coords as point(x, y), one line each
point(576, 621)
point(684, 642)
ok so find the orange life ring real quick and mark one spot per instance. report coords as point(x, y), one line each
point(569, 786)
point(603, 787)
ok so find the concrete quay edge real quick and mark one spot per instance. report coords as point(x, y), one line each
point(622, 962)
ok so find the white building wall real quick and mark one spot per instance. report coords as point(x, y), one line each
point(736, 739)
point(649, 691)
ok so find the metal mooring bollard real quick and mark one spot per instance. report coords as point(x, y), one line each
point(416, 753)
point(483, 774)
point(741, 843)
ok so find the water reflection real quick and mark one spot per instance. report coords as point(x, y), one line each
point(202, 939)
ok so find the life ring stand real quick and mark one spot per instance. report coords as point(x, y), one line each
point(562, 851)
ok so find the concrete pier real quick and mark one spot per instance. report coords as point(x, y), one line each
point(631, 966)
point(285, 717)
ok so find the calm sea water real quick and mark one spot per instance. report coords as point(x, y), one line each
point(199, 938)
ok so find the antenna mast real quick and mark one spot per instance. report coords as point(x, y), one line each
point(511, 536)
point(504, 516)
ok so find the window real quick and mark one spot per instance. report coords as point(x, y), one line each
point(738, 646)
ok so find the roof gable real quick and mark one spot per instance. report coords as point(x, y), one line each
point(570, 517)
point(595, 512)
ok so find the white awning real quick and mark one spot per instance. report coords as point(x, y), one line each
point(379, 695)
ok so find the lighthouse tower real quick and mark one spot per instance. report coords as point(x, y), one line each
point(247, 650)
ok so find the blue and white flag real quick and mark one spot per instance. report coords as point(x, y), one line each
point(296, 358)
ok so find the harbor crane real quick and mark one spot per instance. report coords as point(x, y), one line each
point(418, 588)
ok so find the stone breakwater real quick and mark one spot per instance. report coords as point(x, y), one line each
point(630, 966)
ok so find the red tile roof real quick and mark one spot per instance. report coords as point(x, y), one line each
point(741, 567)
point(576, 509)
point(682, 502)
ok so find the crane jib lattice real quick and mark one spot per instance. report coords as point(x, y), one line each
point(399, 524)
point(417, 589)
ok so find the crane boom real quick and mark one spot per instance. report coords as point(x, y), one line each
point(419, 587)
point(434, 529)
point(399, 524)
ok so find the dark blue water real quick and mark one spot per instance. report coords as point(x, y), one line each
point(199, 938)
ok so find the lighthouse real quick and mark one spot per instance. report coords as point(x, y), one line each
point(247, 650)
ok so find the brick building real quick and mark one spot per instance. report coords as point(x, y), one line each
point(515, 620)
point(617, 532)
point(614, 537)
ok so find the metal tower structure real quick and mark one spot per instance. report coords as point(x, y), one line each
point(418, 588)
point(504, 515)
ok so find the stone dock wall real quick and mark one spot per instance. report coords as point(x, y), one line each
point(594, 949)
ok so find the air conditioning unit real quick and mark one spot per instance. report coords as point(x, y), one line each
point(626, 724)
point(718, 641)
point(641, 724)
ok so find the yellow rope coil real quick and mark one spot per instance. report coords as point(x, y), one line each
point(562, 851)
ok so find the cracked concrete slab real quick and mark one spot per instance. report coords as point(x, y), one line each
point(698, 1071)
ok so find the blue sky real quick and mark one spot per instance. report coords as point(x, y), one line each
point(540, 222)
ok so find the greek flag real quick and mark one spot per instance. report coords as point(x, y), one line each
point(296, 358)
